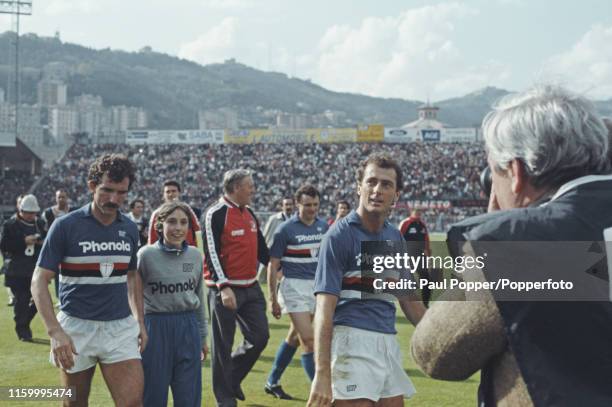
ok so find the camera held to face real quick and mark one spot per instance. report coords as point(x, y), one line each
point(486, 181)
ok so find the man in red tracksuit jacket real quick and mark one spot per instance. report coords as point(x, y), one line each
point(414, 231)
point(233, 246)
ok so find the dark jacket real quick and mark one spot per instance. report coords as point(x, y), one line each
point(21, 263)
point(561, 348)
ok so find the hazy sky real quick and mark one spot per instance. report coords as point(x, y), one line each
point(409, 49)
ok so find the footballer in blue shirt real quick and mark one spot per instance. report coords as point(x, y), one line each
point(357, 357)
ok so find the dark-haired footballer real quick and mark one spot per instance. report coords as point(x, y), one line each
point(93, 249)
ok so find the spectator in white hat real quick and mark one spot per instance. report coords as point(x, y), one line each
point(22, 238)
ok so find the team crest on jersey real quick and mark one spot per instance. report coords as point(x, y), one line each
point(253, 226)
point(187, 267)
point(122, 233)
point(106, 269)
point(319, 228)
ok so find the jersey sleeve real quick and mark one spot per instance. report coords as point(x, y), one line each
point(279, 243)
point(140, 266)
point(330, 268)
point(213, 229)
point(53, 249)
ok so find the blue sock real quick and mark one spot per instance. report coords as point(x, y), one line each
point(308, 364)
point(283, 357)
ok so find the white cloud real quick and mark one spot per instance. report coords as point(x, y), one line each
point(216, 45)
point(587, 66)
point(229, 39)
point(61, 7)
point(512, 2)
point(228, 4)
point(409, 56)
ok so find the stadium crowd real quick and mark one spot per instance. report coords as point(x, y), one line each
point(436, 172)
point(14, 183)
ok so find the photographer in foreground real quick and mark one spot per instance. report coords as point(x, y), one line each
point(547, 151)
point(22, 239)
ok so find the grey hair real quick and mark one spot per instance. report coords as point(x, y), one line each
point(232, 178)
point(557, 135)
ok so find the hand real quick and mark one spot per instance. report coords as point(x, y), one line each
point(228, 298)
point(275, 308)
point(143, 338)
point(63, 349)
point(320, 392)
point(30, 239)
point(204, 352)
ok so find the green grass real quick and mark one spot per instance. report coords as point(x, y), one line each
point(26, 364)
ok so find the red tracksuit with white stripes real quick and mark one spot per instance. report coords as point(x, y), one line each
point(233, 246)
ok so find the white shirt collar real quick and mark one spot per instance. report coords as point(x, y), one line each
point(575, 183)
point(134, 218)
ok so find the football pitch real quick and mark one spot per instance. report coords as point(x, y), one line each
point(26, 364)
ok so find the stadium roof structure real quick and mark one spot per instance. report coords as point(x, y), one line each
point(428, 119)
point(19, 158)
point(425, 124)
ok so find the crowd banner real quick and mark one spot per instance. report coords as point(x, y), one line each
point(460, 135)
point(333, 135)
point(431, 135)
point(175, 137)
point(242, 136)
point(370, 133)
point(283, 135)
point(444, 135)
point(398, 135)
point(440, 204)
point(424, 204)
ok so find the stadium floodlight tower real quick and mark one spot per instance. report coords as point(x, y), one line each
point(16, 8)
